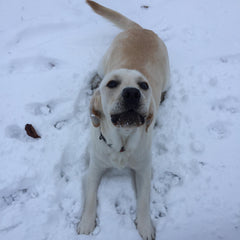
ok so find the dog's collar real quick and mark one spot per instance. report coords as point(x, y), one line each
point(101, 137)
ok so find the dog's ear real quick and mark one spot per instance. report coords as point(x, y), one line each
point(150, 116)
point(96, 109)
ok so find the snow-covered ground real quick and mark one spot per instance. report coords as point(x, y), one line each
point(49, 51)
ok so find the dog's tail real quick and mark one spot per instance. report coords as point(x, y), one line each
point(118, 19)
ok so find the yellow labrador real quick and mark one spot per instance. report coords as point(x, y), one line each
point(135, 73)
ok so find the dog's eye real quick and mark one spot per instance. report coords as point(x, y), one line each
point(143, 85)
point(112, 84)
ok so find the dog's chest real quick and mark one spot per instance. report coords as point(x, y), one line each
point(119, 159)
point(117, 150)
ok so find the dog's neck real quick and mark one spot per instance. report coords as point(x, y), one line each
point(120, 139)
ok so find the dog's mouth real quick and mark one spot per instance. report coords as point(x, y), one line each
point(128, 118)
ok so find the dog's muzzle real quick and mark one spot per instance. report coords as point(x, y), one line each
point(130, 115)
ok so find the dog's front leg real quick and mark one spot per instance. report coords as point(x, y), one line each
point(90, 186)
point(143, 220)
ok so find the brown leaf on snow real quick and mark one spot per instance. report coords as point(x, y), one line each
point(31, 131)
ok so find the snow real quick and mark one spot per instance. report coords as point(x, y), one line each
point(49, 52)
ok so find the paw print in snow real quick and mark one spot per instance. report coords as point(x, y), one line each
point(228, 104)
point(219, 129)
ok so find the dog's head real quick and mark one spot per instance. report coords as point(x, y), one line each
point(123, 99)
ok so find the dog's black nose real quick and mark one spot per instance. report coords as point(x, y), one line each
point(131, 97)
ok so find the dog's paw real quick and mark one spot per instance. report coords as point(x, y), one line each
point(146, 229)
point(86, 225)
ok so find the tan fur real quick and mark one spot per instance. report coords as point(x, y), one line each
point(96, 109)
point(140, 49)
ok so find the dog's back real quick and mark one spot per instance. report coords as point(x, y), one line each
point(136, 48)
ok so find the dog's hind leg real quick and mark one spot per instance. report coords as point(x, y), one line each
point(163, 95)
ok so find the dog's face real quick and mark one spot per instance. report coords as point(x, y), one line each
point(124, 99)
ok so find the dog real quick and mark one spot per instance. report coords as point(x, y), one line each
point(123, 109)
